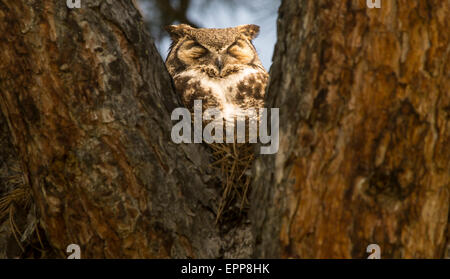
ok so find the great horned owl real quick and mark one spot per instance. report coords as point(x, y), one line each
point(218, 66)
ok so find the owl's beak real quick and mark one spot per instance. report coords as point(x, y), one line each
point(219, 63)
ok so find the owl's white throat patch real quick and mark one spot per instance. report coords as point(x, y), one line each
point(222, 88)
point(235, 127)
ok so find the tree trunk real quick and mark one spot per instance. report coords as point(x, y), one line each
point(88, 101)
point(364, 142)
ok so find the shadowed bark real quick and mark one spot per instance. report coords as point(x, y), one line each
point(364, 135)
point(9, 162)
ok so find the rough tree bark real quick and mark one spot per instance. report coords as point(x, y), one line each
point(364, 141)
point(364, 158)
point(88, 102)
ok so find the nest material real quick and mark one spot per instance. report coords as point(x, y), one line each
point(234, 161)
point(18, 204)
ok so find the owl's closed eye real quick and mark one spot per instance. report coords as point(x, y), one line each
point(191, 50)
point(241, 51)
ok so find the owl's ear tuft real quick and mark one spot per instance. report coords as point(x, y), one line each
point(177, 31)
point(251, 31)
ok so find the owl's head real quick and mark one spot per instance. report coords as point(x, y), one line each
point(215, 52)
